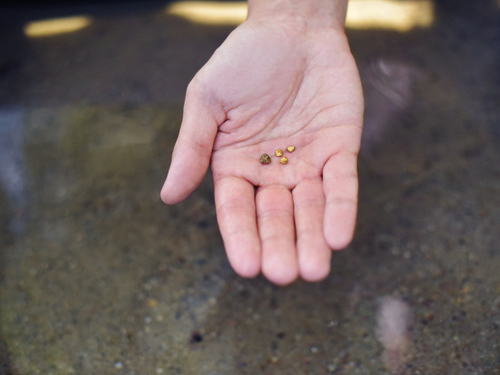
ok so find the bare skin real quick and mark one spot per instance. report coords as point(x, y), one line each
point(275, 83)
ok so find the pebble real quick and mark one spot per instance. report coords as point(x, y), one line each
point(331, 368)
point(265, 159)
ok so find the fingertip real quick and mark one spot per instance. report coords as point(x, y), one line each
point(172, 192)
point(339, 222)
point(280, 275)
point(249, 269)
point(315, 274)
point(315, 266)
point(184, 176)
point(166, 195)
point(338, 237)
point(244, 255)
point(340, 245)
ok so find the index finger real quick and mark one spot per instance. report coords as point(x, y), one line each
point(236, 215)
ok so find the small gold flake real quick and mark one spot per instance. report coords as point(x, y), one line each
point(284, 160)
point(279, 152)
point(290, 148)
point(265, 159)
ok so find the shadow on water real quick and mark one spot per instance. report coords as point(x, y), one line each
point(6, 239)
point(12, 200)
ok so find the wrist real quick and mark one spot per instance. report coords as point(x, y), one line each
point(305, 13)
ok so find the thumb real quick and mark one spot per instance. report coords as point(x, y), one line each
point(193, 149)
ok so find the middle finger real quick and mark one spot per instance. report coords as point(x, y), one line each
point(277, 233)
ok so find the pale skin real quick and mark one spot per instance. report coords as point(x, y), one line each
point(284, 77)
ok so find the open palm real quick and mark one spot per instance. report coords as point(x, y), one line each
point(267, 87)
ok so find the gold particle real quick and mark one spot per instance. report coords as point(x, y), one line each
point(279, 152)
point(284, 160)
point(265, 159)
point(290, 148)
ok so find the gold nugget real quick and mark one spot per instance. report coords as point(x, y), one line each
point(284, 160)
point(290, 148)
point(265, 159)
point(279, 152)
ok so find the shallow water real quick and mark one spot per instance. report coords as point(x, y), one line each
point(98, 276)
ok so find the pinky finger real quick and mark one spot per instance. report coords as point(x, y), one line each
point(340, 183)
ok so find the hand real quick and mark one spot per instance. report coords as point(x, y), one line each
point(269, 86)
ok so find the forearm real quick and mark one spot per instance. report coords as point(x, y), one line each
point(312, 13)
